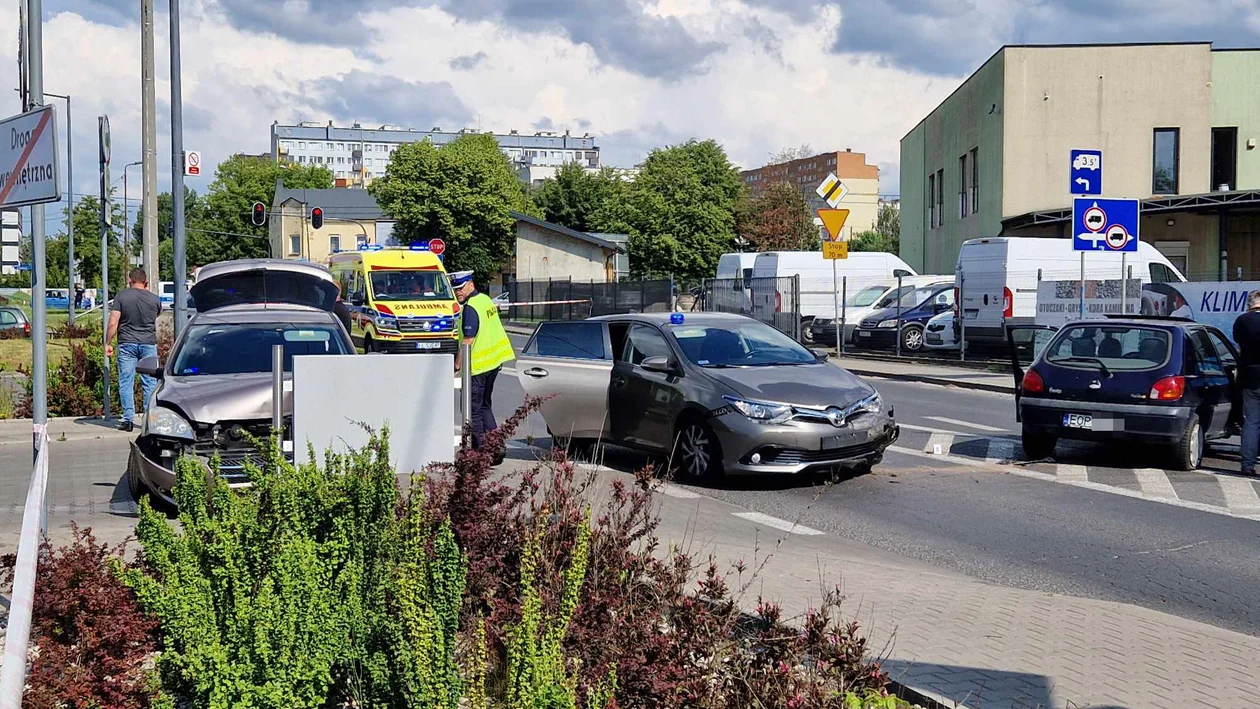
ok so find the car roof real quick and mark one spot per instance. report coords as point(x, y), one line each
point(250, 314)
point(222, 268)
point(688, 318)
point(1163, 321)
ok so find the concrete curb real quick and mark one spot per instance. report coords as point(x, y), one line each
point(929, 379)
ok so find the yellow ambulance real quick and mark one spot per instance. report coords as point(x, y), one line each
point(399, 300)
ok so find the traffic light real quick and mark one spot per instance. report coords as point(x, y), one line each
point(259, 214)
point(317, 217)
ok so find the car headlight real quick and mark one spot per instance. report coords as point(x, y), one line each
point(386, 322)
point(161, 421)
point(887, 323)
point(759, 411)
point(872, 404)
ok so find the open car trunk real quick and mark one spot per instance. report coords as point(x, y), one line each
point(264, 282)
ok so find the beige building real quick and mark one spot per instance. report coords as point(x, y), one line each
point(861, 179)
point(352, 219)
point(1177, 124)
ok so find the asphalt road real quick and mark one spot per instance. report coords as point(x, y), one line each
point(970, 517)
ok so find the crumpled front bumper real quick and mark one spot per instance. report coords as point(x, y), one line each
point(801, 446)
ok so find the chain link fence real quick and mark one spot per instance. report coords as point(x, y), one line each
point(774, 301)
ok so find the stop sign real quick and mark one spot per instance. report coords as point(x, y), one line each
point(437, 246)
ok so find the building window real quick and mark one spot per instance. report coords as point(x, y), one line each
point(361, 240)
point(301, 158)
point(1166, 163)
point(295, 244)
point(940, 197)
point(334, 243)
point(931, 201)
point(302, 146)
point(974, 187)
point(368, 161)
point(341, 146)
point(963, 176)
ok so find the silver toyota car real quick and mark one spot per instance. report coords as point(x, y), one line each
point(215, 389)
point(718, 393)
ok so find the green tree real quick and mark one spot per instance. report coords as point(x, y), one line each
point(577, 198)
point(87, 247)
point(779, 220)
point(885, 237)
point(679, 211)
point(463, 192)
point(240, 181)
point(202, 247)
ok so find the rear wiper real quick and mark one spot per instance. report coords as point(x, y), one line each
point(1091, 360)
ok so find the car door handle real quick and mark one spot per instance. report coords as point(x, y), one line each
point(618, 381)
point(536, 372)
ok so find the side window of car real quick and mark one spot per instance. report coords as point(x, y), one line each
point(1209, 360)
point(644, 342)
point(1161, 274)
point(1223, 349)
point(570, 340)
point(7, 318)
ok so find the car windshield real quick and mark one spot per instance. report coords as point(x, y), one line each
point(743, 344)
point(911, 297)
point(1109, 348)
point(245, 349)
point(410, 285)
point(866, 296)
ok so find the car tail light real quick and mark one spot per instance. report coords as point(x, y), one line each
point(1033, 383)
point(778, 302)
point(1169, 389)
point(1008, 303)
point(26, 327)
point(384, 309)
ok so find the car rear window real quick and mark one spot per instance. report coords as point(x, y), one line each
point(1116, 347)
point(573, 340)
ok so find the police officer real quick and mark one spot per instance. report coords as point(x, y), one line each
point(480, 327)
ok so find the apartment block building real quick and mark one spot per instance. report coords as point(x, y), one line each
point(862, 180)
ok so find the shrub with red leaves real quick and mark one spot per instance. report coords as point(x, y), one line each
point(91, 645)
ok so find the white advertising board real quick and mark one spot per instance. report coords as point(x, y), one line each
point(28, 158)
point(1213, 303)
point(412, 394)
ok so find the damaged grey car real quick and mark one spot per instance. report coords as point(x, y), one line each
point(214, 392)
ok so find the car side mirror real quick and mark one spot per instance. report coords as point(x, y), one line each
point(664, 365)
point(150, 366)
point(356, 299)
point(822, 355)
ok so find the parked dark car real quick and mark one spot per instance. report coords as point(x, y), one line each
point(881, 328)
point(1136, 380)
point(717, 393)
point(15, 319)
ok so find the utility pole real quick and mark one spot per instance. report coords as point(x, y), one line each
point(127, 217)
point(149, 239)
point(106, 226)
point(179, 244)
point(39, 307)
point(70, 200)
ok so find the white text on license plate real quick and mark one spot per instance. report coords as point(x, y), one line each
point(1078, 421)
point(428, 345)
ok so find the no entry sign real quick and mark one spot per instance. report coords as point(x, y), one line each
point(28, 158)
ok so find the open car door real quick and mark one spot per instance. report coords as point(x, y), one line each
point(1026, 343)
point(570, 364)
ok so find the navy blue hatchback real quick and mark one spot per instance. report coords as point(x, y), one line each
point(1158, 380)
point(883, 327)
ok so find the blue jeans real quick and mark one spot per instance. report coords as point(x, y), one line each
point(1250, 428)
point(129, 353)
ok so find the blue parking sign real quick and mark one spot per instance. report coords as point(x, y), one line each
point(1086, 172)
point(1105, 224)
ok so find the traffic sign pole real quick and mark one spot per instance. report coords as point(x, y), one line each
point(39, 280)
point(1081, 312)
point(179, 241)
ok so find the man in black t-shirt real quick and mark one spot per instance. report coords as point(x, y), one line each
point(134, 321)
point(1247, 335)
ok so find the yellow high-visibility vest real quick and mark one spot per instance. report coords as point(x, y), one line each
point(492, 347)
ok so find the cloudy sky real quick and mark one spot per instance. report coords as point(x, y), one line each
point(757, 75)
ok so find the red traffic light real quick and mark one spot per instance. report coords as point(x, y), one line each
point(317, 217)
point(259, 215)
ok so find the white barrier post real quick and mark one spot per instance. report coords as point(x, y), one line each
point(17, 636)
point(465, 382)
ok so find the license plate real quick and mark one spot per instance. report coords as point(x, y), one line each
point(863, 333)
point(934, 339)
point(1078, 421)
point(847, 440)
point(428, 345)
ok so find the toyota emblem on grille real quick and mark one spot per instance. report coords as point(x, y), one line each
point(835, 416)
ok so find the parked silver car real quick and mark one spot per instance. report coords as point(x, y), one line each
point(215, 390)
point(721, 393)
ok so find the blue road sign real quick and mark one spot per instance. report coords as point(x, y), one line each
point(1086, 172)
point(25, 267)
point(1104, 224)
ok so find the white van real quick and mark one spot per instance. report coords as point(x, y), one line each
point(998, 278)
point(734, 294)
point(818, 293)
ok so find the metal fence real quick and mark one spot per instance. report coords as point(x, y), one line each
point(774, 301)
point(567, 299)
point(17, 636)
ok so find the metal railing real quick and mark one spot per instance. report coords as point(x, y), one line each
point(34, 524)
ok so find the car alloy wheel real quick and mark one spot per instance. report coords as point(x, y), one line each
point(1190, 448)
point(697, 450)
point(912, 338)
point(807, 332)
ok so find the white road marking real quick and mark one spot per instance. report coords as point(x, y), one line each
point(1000, 451)
point(677, 492)
point(776, 523)
point(1071, 473)
point(1154, 483)
point(939, 443)
point(926, 429)
point(1240, 494)
point(968, 424)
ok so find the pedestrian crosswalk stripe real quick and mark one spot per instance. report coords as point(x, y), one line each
point(967, 424)
point(1000, 451)
point(1154, 483)
point(939, 443)
point(1064, 471)
point(779, 524)
point(1240, 494)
